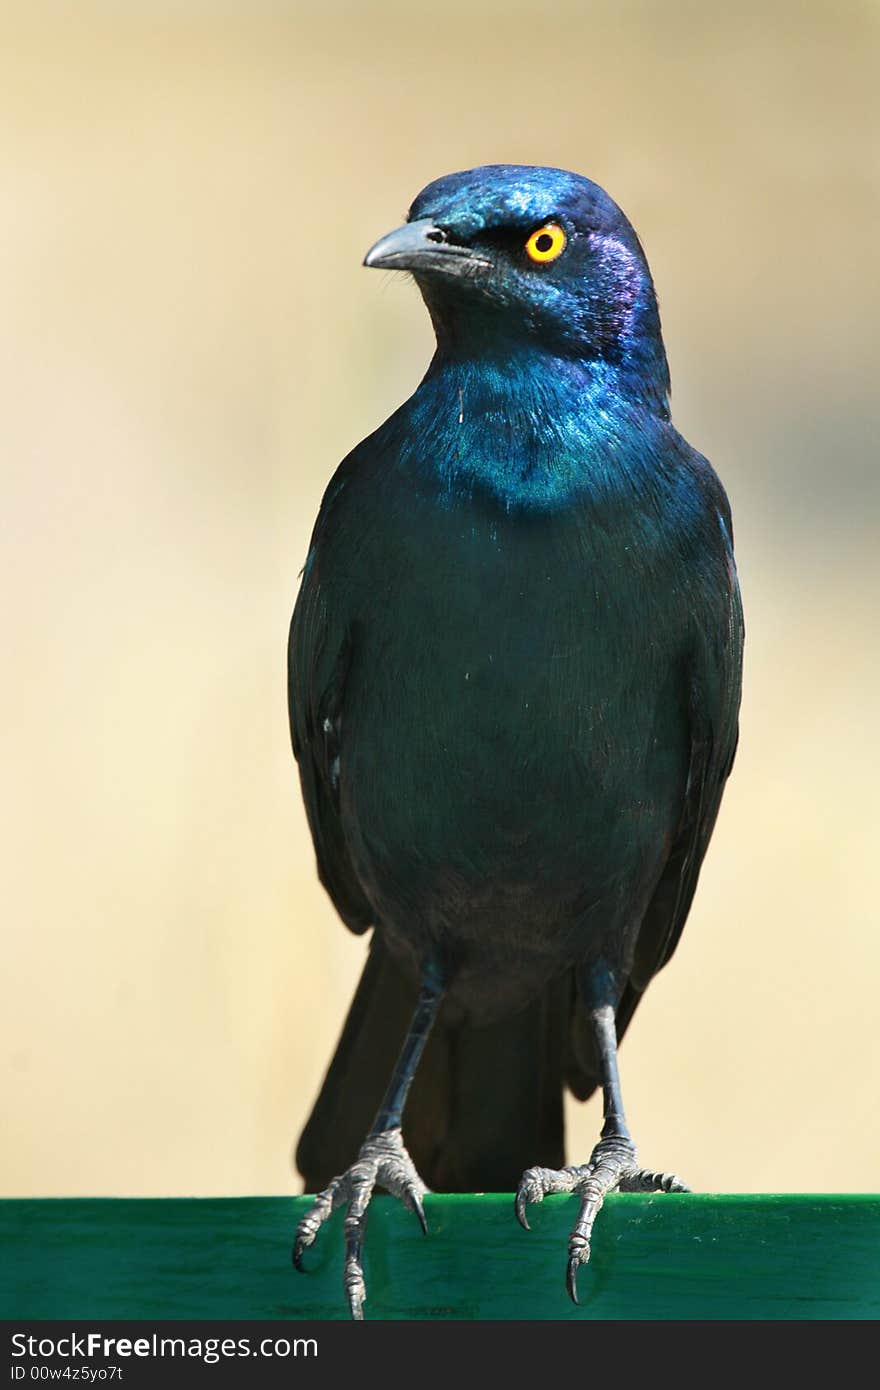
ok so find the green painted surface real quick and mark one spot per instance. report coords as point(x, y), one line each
point(653, 1257)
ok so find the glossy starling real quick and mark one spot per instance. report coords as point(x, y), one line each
point(514, 682)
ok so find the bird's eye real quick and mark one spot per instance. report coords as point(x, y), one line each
point(546, 243)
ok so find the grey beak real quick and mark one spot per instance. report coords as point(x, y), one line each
point(422, 247)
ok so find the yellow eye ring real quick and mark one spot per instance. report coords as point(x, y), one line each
point(546, 243)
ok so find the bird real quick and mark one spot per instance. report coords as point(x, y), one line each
point(514, 674)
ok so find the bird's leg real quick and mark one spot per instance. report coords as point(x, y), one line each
point(612, 1166)
point(382, 1159)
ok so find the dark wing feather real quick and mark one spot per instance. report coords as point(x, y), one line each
point(318, 660)
point(713, 681)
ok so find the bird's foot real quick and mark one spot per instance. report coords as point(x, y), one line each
point(384, 1161)
point(612, 1168)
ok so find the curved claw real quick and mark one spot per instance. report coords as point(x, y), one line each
point(534, 1185)
point(520, 1208)
point(578, 1254)
point(571, 1276)
point(311, 1223)
point(419, 1210)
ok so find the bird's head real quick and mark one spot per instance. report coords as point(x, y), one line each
point(508, 256)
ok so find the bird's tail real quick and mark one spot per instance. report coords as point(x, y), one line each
point(485, 1104)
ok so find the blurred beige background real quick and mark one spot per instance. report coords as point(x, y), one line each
point(188, 348)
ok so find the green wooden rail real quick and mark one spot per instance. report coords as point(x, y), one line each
point(653, 1257)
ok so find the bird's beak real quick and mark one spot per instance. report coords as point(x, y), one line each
point(422, 247)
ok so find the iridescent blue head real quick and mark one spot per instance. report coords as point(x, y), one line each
point(511, 256)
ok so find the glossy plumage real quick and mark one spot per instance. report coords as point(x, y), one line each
point(514, 675)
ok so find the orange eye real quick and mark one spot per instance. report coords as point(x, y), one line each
point(546, 243)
